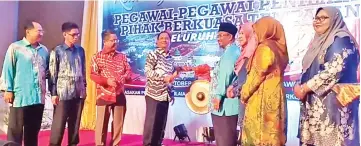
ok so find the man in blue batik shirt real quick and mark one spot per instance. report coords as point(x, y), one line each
point(225, 110)
point(67, 85)
point(24, 74)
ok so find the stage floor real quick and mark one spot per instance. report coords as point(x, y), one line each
point(87, 139)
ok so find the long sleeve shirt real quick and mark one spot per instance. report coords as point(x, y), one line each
point(158, 65)
point(24, 72)
point(105, 65)
point(225, 76)
point(67, 72)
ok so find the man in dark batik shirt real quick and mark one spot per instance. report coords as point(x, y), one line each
point(160, 72)
point(67, 86)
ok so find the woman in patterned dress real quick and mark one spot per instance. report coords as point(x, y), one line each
point(264, 122)
point(332, 58)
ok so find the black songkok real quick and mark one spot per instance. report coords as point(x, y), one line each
point(228, 27)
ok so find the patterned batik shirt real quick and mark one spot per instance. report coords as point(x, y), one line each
point(159, 64)
point(105, 65)
point(24, 73)
point(67, 72)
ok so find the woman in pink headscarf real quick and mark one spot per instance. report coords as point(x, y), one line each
point(247, 42)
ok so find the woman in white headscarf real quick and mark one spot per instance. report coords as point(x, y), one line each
point(332, 58)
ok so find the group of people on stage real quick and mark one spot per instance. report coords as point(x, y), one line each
point(251, 92)
point(247, 85)
point(26, 67)
point(28, 64)
point(246, 88)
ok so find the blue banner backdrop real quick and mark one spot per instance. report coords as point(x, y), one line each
point(194, 26)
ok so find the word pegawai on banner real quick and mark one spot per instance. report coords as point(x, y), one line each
point(194, 27)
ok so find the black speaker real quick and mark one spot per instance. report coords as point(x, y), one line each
point(181, 132)
point(8, 143)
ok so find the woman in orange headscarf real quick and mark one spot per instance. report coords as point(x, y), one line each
point(264, 121)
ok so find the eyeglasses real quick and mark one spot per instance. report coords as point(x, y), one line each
point(163, 38)
point(114, 41)
point(320, 19)
point(222, 35)
point(74, 34)
point(38, 31)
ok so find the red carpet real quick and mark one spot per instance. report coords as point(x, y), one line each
point(87, 139)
